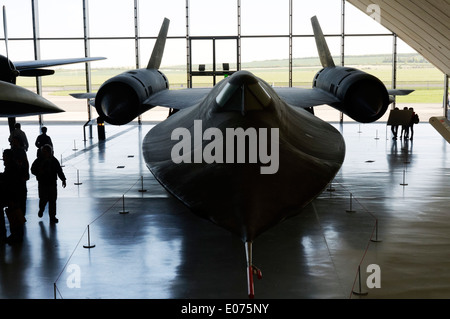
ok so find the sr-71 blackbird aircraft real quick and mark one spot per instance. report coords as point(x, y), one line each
point(243, 154)
point(17, 101)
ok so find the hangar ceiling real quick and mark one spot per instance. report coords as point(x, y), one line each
point(422, 24)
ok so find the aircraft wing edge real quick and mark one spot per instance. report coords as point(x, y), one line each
point(36, 64)
point(399, 92)
point(305, 98)
point(83, 95)
point(177, 99)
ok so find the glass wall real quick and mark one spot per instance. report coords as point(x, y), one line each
point(124, 32)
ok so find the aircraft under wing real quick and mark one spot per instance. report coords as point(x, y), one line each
point(299, 97)
point(17, 101)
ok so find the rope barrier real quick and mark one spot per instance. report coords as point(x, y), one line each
point(357, 275)
point(87, 230)
point(122, 198)
point(371, 239)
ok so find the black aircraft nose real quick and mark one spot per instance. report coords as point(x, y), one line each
point(243, 92)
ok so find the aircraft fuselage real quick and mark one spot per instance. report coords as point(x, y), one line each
point(235, 194)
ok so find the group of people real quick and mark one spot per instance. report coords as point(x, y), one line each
point(407, 131)
point(13, 188)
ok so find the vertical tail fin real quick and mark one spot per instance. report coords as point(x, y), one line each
point(324, 52)
point(158, 49)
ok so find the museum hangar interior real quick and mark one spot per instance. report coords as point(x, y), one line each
point(379, 230)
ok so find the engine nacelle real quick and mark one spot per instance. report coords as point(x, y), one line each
point(362, 96)
point(120, 99)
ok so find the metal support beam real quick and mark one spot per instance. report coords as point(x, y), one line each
point(446, 101)
point(136, 42)
point(290, 43)
point(87, 53)
point(238, 67)
point(214, 60)
point(394, 66)
point(37, 47)
point(343, 33)
point(136, 32)
point(341, 116)
point(188, 49)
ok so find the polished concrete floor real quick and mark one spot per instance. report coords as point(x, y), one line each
point(159, 249)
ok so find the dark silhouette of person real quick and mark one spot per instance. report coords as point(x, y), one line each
point(21, 159)
point(414, 120)
point(42, 140)
point(394, 128)
point(405, 128)
point(20, 135)
point(47, 169)
point(10, 201)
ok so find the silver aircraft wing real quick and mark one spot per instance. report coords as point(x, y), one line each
point(36, 64)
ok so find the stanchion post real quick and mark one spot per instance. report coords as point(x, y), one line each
point(89, 245)
point(376, 240)
point(142, 190)
point(404, 179)
point(360, 292)
point(351, 207)
point(123, 206)
point(74, 146)
point(78, 179)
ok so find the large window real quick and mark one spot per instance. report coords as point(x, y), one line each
point(281, 53)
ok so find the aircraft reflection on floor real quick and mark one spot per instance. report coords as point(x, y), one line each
point(159, 250)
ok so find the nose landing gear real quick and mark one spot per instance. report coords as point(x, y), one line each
point(251, 270)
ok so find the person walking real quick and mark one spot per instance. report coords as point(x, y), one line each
point(405, 128)
point(47, 169)
point(42, 140)
point(394, 128)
